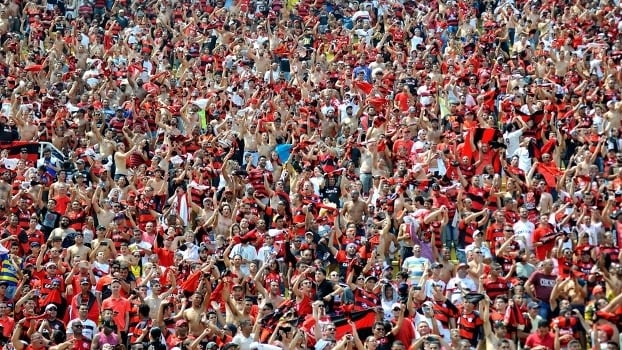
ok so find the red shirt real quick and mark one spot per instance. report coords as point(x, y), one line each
point(120, 307)
point(546, 235)
point(536, 339)
point(165, 256)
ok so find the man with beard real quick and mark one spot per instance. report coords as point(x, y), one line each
point(51, 322)
point(76, 342)
point(140, 245)
point(63, 231)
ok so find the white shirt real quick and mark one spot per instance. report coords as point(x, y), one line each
point(242, 341)
point(456, 285)
point(191, 252)
point(265, 253)
point(425, 100)
point(275, 75)
point(593, 230)
point(444, 332)
point(414, 41)
point(525, 230)
point(89, 327)
point(430, 284)
point(247, 252)
point(524, 161)
point(512, 140)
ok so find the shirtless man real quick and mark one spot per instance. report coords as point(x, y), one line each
point(404, 237)
point(613, 115)
point(120, 158)
point(103, 244)
point(561, 61)
point(159, 185)
point(273, 294)
point(28, 131)
point(268, 142)
point(355, 210)
point(4, 21)
point(104, 215)
point(62, 231)
point(157, 296)
point(78, 250)
point(236, 306)
point(250, 135)
point(5, 187)
point(447, 271)
point(62, 138)
point(193, 314)
point(107, 146)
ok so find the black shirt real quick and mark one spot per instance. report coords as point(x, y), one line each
point(323, 289)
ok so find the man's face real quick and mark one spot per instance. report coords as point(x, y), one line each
point(115, 286)
point(77, 329)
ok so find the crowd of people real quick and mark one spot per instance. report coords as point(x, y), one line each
point(327, 174)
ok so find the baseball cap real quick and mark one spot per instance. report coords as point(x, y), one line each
point(85, 280)
point(533, 305)
point(51, 307)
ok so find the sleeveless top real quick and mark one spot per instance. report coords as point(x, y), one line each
point(111, 339)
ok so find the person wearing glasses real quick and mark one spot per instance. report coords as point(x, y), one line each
point(478, 247)
point(379, 330)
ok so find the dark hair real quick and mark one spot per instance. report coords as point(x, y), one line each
point(143, 310)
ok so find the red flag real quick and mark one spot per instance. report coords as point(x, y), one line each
point(537, 117)
point(33, 68)
point(364, 86)
point(378, 102)
point(549, 146)
point(191, 283)
point(363, 321)
point(483, 135)
point(550, 173)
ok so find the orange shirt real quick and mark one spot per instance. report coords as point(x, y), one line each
point(120, 307)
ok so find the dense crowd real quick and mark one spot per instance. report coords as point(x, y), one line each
point(327, 175)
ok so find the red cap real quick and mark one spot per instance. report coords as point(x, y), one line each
point(607, 329)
